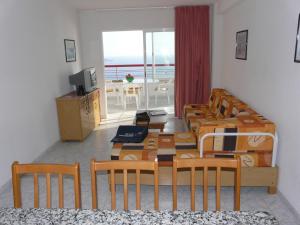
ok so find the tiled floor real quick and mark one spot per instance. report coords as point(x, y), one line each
point(98, 146)
point(116, 112)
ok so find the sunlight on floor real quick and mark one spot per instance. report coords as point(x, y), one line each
point(128, 115)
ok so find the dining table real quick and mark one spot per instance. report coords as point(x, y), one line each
point(64, 216)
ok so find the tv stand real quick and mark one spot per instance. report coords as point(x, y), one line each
point(78, 115)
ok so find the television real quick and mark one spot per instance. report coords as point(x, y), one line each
point(85, 80)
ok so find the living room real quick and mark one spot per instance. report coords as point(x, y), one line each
point(33, 61)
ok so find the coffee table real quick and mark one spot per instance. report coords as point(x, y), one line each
point(156, 121)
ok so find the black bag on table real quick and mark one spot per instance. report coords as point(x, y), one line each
point(130, 134)
point(142, 118)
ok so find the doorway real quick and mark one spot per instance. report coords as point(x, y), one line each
point(139, 71)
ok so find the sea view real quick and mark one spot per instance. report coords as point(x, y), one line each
point(117, 68)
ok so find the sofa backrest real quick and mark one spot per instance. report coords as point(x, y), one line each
point(238, 108)
point(225, 107)
point(215, 99)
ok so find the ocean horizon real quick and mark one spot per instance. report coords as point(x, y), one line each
point(119, 73)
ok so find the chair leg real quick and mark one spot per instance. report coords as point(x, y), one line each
point(139, 97)
point(137, 102)
point(272, 189)
point(124, 103)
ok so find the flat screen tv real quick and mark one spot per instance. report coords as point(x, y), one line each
point(85, 80)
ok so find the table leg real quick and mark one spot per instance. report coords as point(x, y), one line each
point(272, 190)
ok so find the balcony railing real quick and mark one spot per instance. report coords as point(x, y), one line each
point(154, 71)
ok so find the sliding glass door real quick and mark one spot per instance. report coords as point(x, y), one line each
point(160, 70)
point(139, 70)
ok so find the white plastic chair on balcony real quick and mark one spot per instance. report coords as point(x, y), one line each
point(153, 90)
point(114, 88)
point(170, 89)
point(131, 92)
point(162, 88)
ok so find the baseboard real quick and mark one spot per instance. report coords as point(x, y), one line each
point(289, 205)
point(5, 186)
point(8, 184)
point(47, 150)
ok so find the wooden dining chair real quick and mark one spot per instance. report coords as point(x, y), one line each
point(37, 169)
point(124, 166)
point(207, 163)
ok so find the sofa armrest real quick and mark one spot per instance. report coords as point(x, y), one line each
point(195, 110)
point(254, 149)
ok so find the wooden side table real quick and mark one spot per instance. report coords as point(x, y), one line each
point(156, 121)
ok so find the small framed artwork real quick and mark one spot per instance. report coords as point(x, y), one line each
point(70, 50)
point(297, 48)
point(241, 45)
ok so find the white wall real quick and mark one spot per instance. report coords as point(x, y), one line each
point(269, 80)
point(33, 73)
point(224, 5)
point(216, 50)
point(93, 23)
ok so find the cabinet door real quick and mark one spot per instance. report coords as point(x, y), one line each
point(96, 108)
point(91, 112)
point(94, 114)
point(84, 114)
point(69, 119)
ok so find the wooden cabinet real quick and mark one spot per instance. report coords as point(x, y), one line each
point(78, 115)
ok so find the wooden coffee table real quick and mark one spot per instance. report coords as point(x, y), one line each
point(157, 121)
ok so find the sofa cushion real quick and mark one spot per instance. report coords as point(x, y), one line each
point(202, 111)
point(225, 107)
point(215, 99)
point(238, 108)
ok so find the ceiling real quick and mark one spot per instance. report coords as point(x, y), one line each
point(119, 4)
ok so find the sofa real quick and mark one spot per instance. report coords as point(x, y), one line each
point(225, 113)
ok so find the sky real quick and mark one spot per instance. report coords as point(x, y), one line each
point(122, 44)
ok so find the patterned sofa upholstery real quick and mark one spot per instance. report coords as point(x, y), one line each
point(227, 114)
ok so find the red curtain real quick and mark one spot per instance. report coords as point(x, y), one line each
point(192, 56)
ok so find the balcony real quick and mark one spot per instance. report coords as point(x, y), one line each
point(124, 98)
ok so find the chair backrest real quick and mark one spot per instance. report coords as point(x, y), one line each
point(37, 169)
point(152, 88)
point(207, 163)
point(132, 90)
point(112, 166)
point(117, 81)
point(114, 88)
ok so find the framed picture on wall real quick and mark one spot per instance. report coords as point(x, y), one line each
point(241, 45)
point(70, 50)
point(297, 48)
